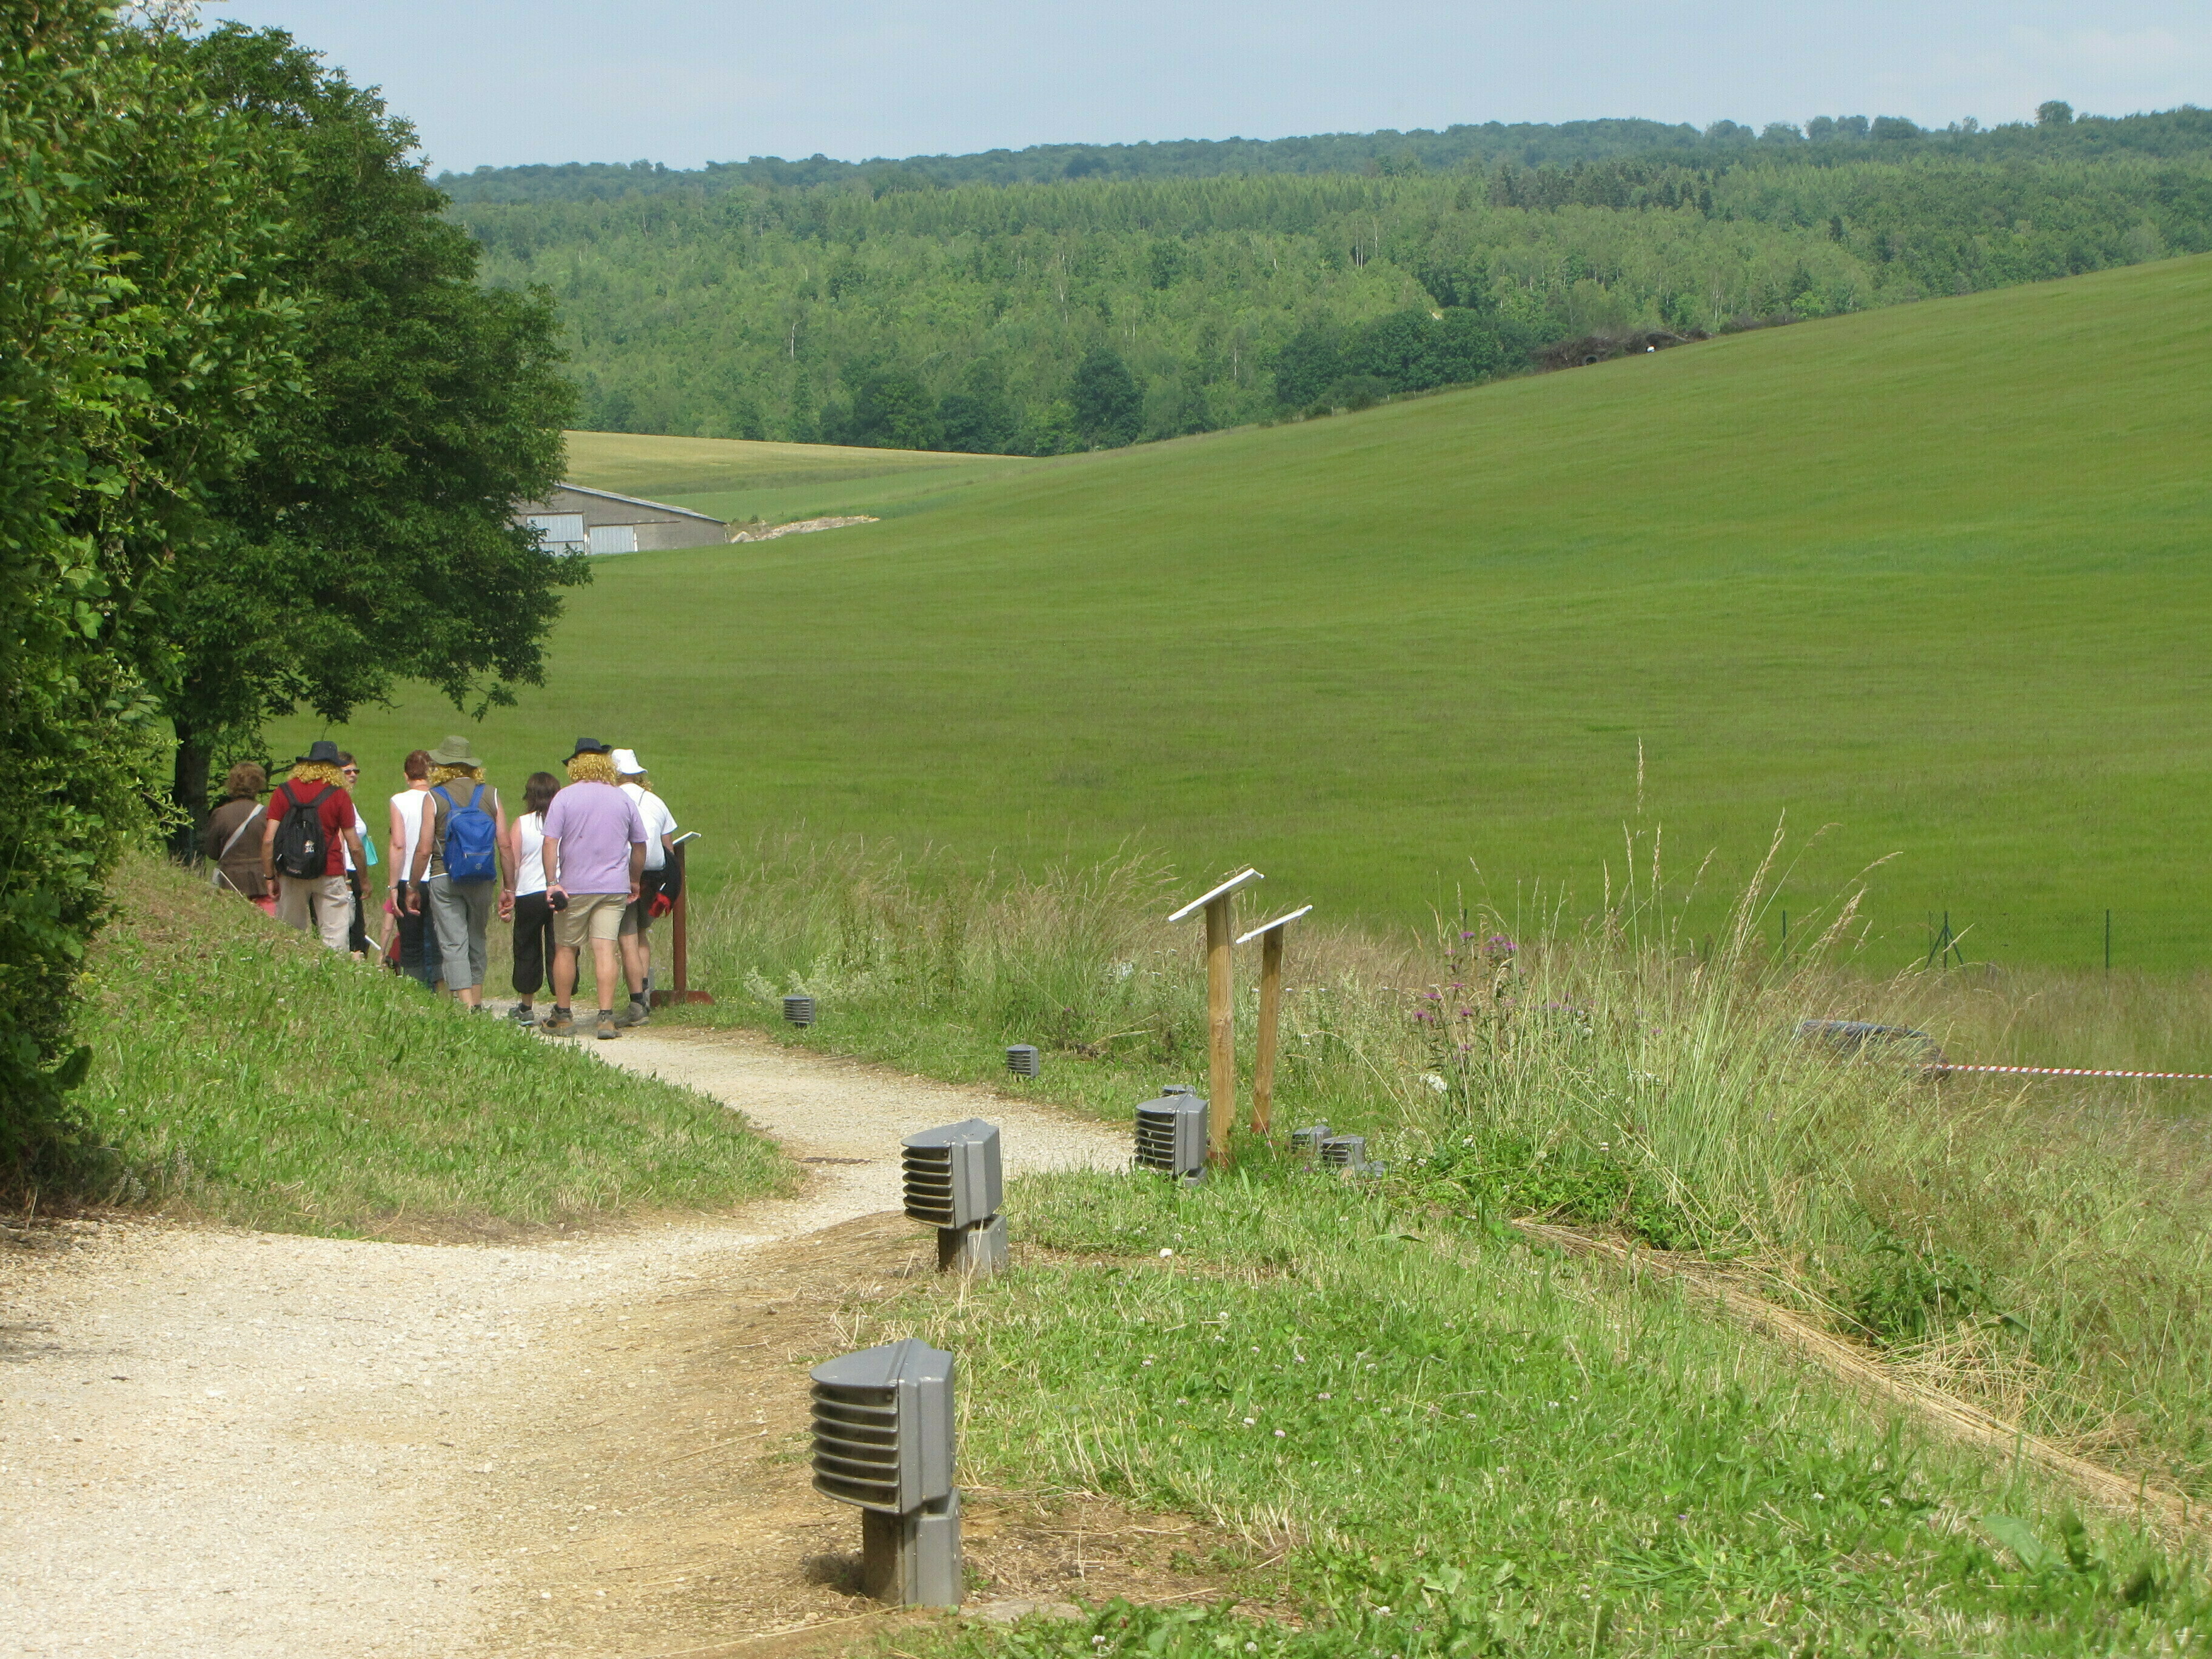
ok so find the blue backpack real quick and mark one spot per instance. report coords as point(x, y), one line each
point(472, 839)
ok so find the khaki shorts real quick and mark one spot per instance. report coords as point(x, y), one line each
point(589, 915)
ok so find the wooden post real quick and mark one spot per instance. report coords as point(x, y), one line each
point(1220, 1009)
point(1270, 935)
point(1270, 1008)
point(679, 930)
point(1221, 1030)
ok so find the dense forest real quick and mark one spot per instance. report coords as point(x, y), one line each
point(1038, 318)
point(2056, 134)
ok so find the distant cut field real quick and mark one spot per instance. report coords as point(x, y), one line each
point(1934, 576)
point(734, 479)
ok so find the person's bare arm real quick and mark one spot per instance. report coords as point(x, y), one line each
point(636, 869)
point(422, 842)
point(549, 854)
point(510, 861)
point(269, 850)
point(353, 846)
point(393, 876)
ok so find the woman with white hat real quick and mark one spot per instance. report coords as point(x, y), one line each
point(657, 885)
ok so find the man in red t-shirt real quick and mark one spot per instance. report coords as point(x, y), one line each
point(324, 902)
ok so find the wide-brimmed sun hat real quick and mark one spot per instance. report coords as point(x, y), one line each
point(589, 746)
point(321, 753)
point(454, 751)
point(626, 763)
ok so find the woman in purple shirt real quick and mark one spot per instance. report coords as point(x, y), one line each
point(594, 855)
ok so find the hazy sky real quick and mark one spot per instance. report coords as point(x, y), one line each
point(683, 81)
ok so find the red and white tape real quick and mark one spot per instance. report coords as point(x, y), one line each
point(2072, 1071)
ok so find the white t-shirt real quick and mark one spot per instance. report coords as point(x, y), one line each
point(415, 810)
point(529, 842)
point(659, 821)
point(361, 829)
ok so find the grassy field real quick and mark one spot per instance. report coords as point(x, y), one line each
point(242, 1071)
point(1427, 1443)
point(1932, 577)
point(734, 479)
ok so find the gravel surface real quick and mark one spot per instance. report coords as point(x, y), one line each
point(229, 1443)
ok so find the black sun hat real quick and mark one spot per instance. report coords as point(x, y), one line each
point(590, 747)
point(321, 753)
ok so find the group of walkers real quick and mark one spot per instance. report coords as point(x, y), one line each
point(587, 864)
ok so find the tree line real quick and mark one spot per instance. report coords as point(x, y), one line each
point(987, 317)
point(2055, 133)
point(263, 428)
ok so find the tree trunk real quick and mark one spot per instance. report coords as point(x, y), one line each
point(188, 790)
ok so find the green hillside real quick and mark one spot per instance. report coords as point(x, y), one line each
point(1932, 575)
point(733, 478)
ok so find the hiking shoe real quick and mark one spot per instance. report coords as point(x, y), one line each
point(636, 1014)
point(559, 1023)
point(607, 1026)
point(523, 1014)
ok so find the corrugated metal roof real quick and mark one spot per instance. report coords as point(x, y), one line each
point(629, 500)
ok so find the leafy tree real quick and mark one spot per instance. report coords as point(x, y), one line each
point(977, 417)
point(892, 409)
point(1310, 362)
point(367, 540)
point(1109, 410)
point(138, 325)
point(2056, 113)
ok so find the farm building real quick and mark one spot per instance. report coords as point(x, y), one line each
point(575, 520)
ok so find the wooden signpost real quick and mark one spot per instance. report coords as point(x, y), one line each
point(680, 935)
point(1271, 1009)
point(1220, 1009)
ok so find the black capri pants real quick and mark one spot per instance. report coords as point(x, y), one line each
point(533, 941)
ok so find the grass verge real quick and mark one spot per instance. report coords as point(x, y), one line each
point(2039, 1251)
point(242, 1071)
point(1424, 1441)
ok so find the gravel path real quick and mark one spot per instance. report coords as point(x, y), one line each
point(229, 1443)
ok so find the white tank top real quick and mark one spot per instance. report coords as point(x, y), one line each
point(529, 841)
point(416, 808)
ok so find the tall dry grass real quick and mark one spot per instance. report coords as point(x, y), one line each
point(2042, 1248)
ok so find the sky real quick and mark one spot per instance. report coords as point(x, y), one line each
point(500, 83)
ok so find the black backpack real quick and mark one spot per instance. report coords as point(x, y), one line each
point(302, 851)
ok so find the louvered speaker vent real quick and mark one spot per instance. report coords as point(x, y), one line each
point(1022, 1059)
point(1347, 1153)
point(952, 1181)
point(883, 1442)
point(1308, 1141)
point(800, 1011)
point(1171, 1133)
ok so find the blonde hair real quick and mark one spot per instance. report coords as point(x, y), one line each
point(446, 774)
point(316, 772)
point(590, 769)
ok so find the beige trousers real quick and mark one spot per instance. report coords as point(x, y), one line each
point(321, 905)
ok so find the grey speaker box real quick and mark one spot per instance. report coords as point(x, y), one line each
point(952, 1179)
point(1345, 1152)
point(1171, 1134)
point(883, 1442)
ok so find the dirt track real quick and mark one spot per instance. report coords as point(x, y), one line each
point(229, 1443)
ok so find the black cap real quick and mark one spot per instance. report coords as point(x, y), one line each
point(321, 753)
point(584, 746)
